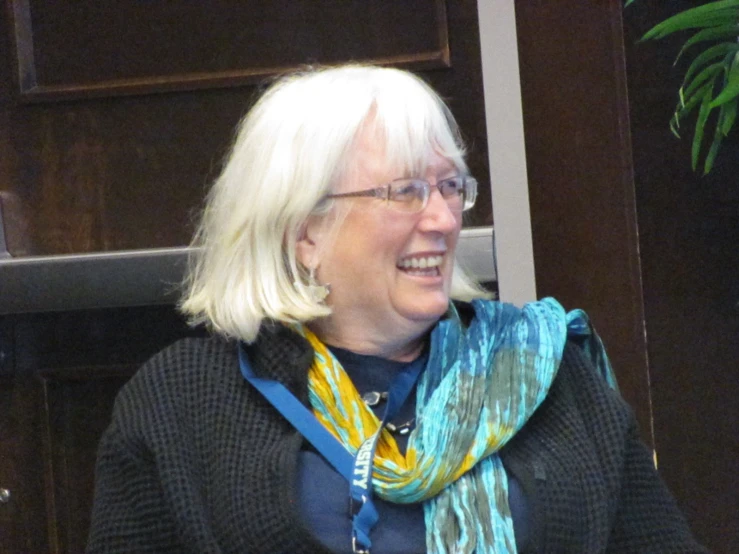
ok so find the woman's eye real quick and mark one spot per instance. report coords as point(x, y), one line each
point(405, 192)
point(450, 187)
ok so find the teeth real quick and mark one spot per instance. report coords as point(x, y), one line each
point(421, 263)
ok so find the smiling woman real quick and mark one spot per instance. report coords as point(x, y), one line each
point(352, 362)
point(380, 306)
point(309, 136)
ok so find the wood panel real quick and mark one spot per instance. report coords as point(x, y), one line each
point(103, 48)
point(667, 294)
point(689, 237)
point(22, 516)
point(580, 177)
point(77, 411)
point(119, 173)
point(58, 381)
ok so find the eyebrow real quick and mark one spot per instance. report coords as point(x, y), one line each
point(452, 171)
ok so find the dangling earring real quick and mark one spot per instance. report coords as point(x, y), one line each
point(316, 291)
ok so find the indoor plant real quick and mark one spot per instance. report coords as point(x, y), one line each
point(711, 82)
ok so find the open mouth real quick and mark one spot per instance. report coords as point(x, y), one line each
point(422, 266)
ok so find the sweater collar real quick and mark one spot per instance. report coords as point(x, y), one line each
point(281, 354)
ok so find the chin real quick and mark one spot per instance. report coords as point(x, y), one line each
point(430, 311)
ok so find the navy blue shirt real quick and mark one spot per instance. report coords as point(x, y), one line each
point(323, 494)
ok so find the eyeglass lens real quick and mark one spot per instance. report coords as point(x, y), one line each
point(412, 195)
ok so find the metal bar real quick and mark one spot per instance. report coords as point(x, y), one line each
point(506, 150)
point(145, 277)
point(116, 279)
point(3, 245)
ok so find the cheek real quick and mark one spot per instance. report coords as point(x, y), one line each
point(368, 246)
point(377, 237)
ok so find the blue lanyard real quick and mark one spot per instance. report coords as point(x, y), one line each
point(357, 470)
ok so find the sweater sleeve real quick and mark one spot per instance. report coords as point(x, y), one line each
point(129, 511)
point(647, 518)
point(149, 493)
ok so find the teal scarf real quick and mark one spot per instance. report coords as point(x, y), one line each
point(487, 381)
point(480, 387)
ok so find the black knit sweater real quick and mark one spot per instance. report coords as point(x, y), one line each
point(196, 461)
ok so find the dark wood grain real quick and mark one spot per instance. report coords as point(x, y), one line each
point(580, 177)
point(94, 48)
point(119, 173)
point(23, 517)
point(648, 248)
point(77, 411)
point(56, 397)
point(689, 237)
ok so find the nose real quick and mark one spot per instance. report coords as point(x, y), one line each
point(437, 216)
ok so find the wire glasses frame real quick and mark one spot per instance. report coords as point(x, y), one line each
point(412, 195)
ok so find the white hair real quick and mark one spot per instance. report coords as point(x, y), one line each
point(292, 147)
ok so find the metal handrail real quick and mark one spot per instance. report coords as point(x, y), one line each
point(145, 277)
point(3, 245)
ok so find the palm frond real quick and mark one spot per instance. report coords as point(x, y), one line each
point(700, 124)
point(713, 14)
point(718, 137)
point(730, 31)
point(727, 123)
point(731, 84)
point(702, 77)
point(703, 88)
point(716, 51)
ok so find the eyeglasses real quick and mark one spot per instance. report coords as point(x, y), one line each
point(412, 195)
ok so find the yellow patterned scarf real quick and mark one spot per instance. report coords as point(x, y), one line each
point(480, 386)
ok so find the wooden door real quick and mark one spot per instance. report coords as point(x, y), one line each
point(114, 117)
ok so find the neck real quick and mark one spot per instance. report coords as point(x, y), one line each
point(400, 346)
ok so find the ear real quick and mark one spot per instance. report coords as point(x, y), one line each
point(308, 246)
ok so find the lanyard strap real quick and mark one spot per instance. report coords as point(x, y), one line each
point(357, 470)
point(360, 485)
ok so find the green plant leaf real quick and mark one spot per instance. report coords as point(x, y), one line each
point(708, 15)
point(674, 126)
point(711, 156)
point(731, 86)
point(712, 33)
point(713, 6)
point(700, 123)
point(716, 21)
point(702, 77)
point(684, 108)
point(709, 54)
point(718, 137)
point(709, 8)
point(701, 22)
point(729, 116)
point(686, 104)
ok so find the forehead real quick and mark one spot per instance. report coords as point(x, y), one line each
point(373, 163)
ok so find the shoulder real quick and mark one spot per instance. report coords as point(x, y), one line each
point(602, 415)
point(199, 378)
point(578, 372)
point(174, 381)
point(184, 364)
point(582, 425)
